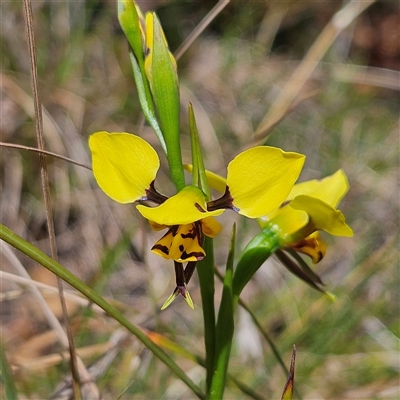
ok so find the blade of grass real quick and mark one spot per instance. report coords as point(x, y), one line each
point(48, 153)
point(6, 376)
point(35, 254)
point(29, 283)
point(224, 330)
point(200, 28)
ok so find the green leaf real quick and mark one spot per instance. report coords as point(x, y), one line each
point(160, 68)
point(251, 259)
point(224, 330)
point(35, 254)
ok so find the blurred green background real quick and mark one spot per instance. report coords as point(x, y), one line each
point(348, 118)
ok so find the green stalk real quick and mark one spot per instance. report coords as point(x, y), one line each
point(224, 330)
point(205, 270)
point(35, 254)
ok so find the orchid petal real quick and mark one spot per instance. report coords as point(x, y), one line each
point(186, 207)
point(260, 179)
point(181, 243)
point(124, 165)
point(210, 227)
point(285, 220)
point(313, 246)
point(330, 189)
point(322, 215)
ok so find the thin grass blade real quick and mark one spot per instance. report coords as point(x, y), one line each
point(35, 254)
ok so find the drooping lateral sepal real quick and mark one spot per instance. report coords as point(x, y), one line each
point(180, 275)
point(297, 266)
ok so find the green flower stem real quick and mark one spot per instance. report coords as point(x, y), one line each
point(224, 330)
point(35, 254)
point(205, 270)
point(260, 328)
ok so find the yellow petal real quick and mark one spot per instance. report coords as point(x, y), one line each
point(330, 189)
point(215, 181)
point(286, 221)
point(124, 165)
point(313, 246)
point(210, 227)
point(260, 179)
point(181, 243)
point(322, 215)
point(185, 207)
point(157, 227)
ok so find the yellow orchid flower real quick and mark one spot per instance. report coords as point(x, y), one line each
point(309, 208)
point(258, 181)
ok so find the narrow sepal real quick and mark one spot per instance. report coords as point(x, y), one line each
point(302, 271)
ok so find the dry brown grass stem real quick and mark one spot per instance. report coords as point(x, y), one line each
point(48, 313)
point(48, 153)
point(51, 318)
point(200, 28)
point(380, 77)
point(302, 73)
point(29, 282)
point(77, 366)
